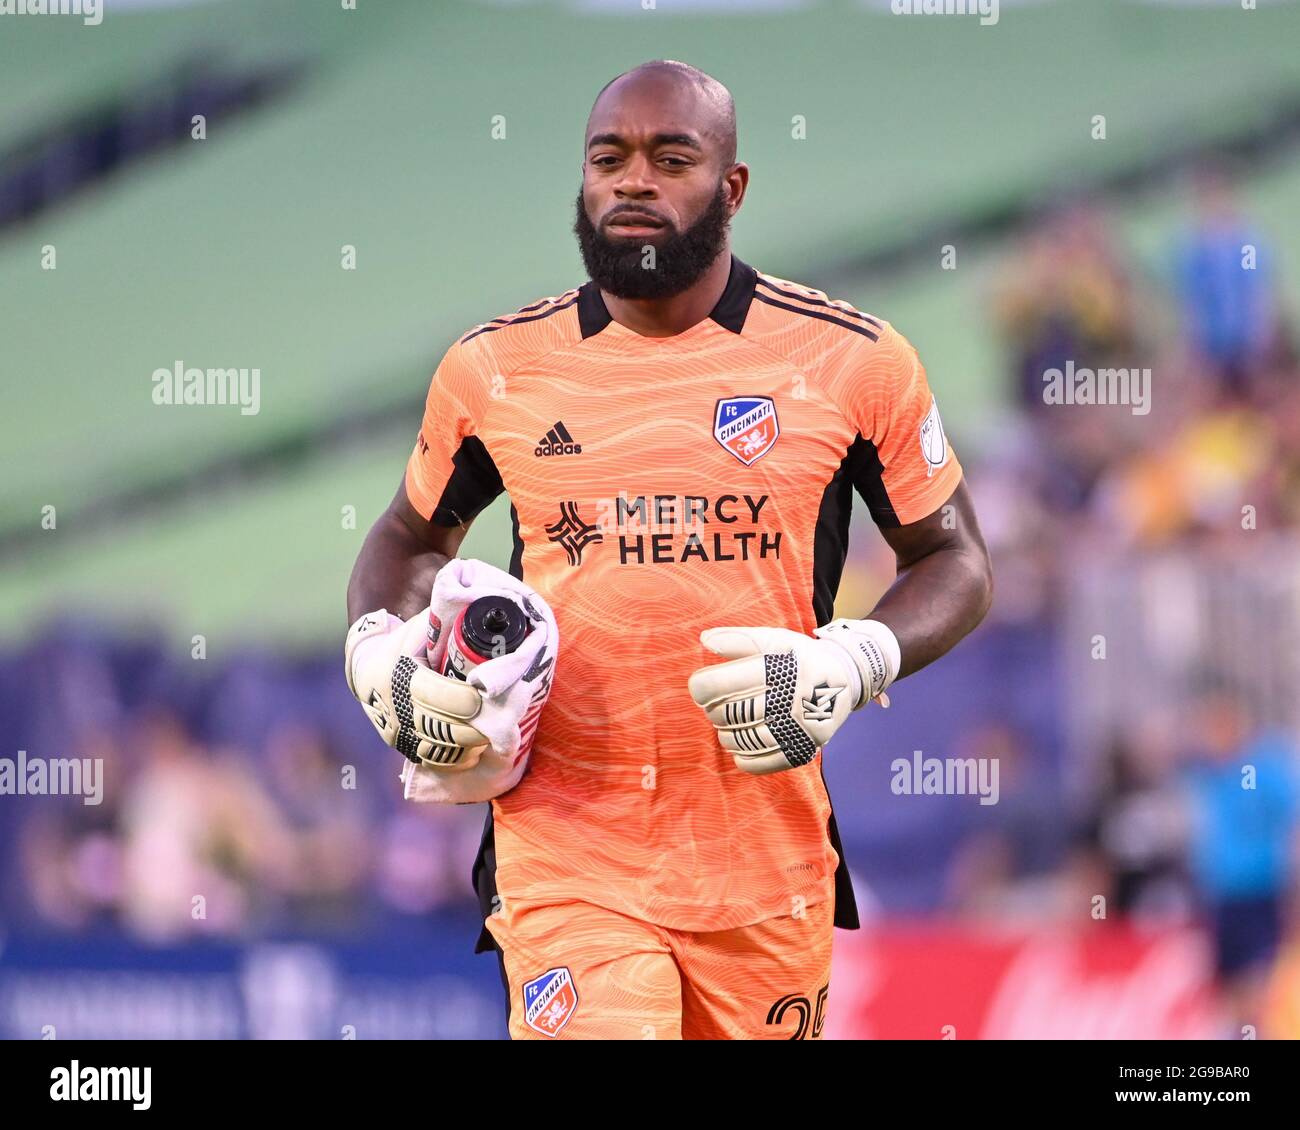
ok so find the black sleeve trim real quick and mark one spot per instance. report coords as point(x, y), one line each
point(846, 904)
point(483, 878)
point(867, 473)
point(474, 483)
point(831, 542)
point(517, 553)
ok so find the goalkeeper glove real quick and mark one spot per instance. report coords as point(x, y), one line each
point(423, 715)
point(784, 694)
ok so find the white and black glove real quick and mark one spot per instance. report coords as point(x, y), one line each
point(784, 694)
point(425, 716)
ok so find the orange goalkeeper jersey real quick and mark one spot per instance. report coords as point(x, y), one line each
point(660, 486)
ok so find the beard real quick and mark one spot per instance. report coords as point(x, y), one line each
point(617, 266)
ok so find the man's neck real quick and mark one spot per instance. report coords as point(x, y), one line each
point(667, 317)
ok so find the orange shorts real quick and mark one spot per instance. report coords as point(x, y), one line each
point(581, 972)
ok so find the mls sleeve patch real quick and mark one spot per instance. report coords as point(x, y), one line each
point(934, 444)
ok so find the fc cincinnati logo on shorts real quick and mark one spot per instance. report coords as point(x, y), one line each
point(549, 1001)
point(746, 426)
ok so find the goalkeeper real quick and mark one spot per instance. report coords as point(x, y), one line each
point(680, 438)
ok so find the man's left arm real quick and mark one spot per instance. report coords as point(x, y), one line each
point(944, 586)
point(784, 694)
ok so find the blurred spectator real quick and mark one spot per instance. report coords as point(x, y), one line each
point(1007, 866)
point(316, 797)
point(1245, 835)
point(1192, 478)
point(1282, 1002)
point(1226, 286)
point(1066, 297)
point(71, 856)
point(1138, 832)
point(203, 849)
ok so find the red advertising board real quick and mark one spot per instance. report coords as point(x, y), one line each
point(931, 982)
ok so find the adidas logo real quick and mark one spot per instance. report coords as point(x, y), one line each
point(557, 441)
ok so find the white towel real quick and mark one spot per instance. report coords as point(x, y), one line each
point(515, 687)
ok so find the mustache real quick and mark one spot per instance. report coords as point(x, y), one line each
point(631, 210)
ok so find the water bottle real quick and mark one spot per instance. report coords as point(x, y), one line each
point(487, 628)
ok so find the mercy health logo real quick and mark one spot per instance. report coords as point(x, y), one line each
point(101, 1084)
point(549, 1001)
point(746, 426)
point(663, 529)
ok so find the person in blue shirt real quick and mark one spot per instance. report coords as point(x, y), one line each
point(1225, 285)
point(1244, 795)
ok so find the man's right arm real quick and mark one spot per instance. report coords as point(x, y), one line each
point(399, 559)
point(426, 717)
point(450, 478)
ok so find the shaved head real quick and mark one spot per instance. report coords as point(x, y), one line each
point(660, 181)
point(715, 110)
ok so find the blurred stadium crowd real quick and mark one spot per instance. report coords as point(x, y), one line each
point(254, 787)
point(1213, 333)
point(1167, 826)
point(257, 783)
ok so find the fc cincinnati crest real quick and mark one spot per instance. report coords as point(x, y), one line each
point(549, 1001)
point(746, 426)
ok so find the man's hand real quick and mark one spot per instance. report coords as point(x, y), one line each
point(423, 715)
point(784, 694)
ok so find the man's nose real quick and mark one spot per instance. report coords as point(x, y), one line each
point(636, 179)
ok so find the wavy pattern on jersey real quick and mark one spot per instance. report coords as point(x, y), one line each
point(629, 801)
